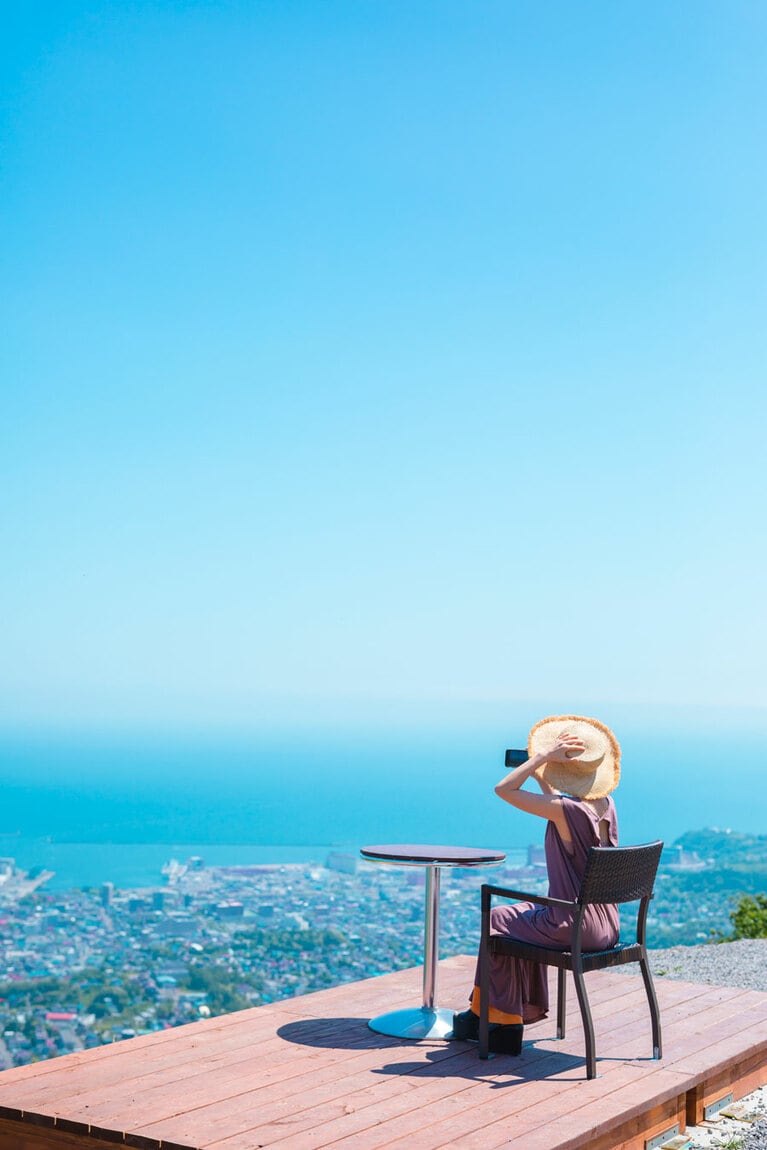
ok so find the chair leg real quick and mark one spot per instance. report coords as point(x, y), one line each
point(654, 1011)
point(561, 1001)
point(588, 1023)
point(484, 999)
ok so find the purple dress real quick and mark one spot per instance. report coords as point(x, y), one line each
point(518, 986)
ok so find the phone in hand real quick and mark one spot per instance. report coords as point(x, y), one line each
point(515, 758)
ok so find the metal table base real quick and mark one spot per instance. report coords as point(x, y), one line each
point(428, 1021)
point(414, 1023)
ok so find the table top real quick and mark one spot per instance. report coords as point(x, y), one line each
point(420, 854)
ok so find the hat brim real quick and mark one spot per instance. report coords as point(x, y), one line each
point(582, 780)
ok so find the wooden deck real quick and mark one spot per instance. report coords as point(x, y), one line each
point(307, 1073)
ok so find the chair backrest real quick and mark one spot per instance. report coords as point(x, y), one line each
point(620, 874)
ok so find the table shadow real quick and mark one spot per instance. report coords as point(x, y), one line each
point(334, 1034)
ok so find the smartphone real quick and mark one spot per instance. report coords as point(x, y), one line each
point(515, 758)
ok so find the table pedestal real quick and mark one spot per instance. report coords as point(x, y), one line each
point(428, 1021)
point(414, 1023)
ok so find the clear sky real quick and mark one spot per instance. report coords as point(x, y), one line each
point(366, 353)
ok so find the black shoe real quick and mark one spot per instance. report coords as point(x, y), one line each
point(502, 1039)
point(466, 1026)
point(505, 1039)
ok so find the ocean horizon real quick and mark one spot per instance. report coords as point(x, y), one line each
point(115, 808)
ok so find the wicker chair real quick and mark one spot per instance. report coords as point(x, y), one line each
point(613, 875)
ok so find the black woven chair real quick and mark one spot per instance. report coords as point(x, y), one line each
point(613, 875)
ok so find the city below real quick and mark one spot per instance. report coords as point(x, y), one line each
point(90, 966)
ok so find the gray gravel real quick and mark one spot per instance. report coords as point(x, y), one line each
point(742, 963)
point(756, 1139)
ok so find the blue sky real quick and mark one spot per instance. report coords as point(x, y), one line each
point(381, 354)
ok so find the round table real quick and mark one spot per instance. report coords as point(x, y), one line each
point(426, 1021)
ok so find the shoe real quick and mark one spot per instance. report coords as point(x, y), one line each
point(466, 1026)
point(505, 1039)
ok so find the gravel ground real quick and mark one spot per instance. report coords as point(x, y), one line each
point(756, 1139)
point(743, 963)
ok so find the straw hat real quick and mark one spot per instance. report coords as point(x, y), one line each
point(590, 775)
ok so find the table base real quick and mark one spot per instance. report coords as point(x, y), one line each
point(415, 1023)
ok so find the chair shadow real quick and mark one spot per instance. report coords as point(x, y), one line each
point(440, 1060)
point(531, 1066)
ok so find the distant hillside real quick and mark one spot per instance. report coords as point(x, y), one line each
point(693, 905)
point(726, 847)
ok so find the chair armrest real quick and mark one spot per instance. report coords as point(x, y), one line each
point(543, 900)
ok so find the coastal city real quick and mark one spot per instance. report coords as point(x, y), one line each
point(90, 966)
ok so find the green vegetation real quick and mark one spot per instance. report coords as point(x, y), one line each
point(219, 987)
point(749, 919)
point(35, 992)
point(287, 941)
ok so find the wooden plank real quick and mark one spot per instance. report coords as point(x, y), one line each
point(744, 1073)
point(328, 1080)
point(332, 1097)
point(127, 1066)
point(161, 1101)
point(633, 1012)
point(715, 1037)
point(189, 1032)
point(83, 1086)
point(618, 1116)
point(434, 1077)
point(22, 1136)
point(125, 1053)
point(439, 1103)
point(576, 1107)
point(593, 1108)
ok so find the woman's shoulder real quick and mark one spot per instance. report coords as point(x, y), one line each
point(603, 808)
point(576, 803)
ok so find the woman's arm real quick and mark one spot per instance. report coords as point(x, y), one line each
point(546, 805)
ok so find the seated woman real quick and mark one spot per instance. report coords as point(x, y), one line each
point(576, 763)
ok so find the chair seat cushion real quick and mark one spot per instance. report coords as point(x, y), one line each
point(591, 959)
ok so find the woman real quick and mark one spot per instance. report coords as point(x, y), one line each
point(576, 763)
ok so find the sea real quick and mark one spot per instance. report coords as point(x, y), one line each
point(116, 806)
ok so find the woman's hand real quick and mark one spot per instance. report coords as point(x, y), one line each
point(549, 804)
point(566, 747)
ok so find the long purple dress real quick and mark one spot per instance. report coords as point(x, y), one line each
point(518, 986)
